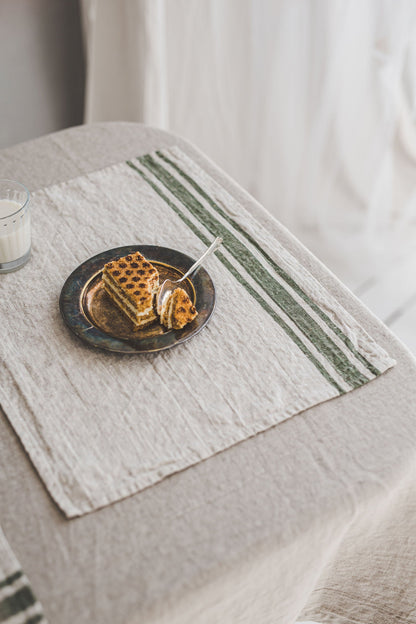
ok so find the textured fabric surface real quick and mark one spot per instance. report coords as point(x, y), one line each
point(321, 507)
point(18, 604)
point(278, 343)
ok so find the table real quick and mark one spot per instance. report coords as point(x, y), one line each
point(315, 514)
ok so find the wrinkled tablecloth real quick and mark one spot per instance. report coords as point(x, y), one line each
point(312, 519)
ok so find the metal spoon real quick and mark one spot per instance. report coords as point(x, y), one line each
point(168, 285)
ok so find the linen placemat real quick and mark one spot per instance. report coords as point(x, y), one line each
point(101, 426)
point(18, 604)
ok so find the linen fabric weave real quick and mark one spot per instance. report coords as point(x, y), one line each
point(99, 426)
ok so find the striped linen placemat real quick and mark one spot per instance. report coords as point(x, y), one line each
point(99, 426)
point(18, 604)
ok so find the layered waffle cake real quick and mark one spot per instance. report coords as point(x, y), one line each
point(132, 283)
point(177, 310)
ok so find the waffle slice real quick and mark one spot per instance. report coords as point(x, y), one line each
point(132, 282)
point(177, 310)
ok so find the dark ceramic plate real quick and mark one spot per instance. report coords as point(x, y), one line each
point(92, 316)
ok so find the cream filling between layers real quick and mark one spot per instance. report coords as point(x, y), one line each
point(166, 312)
point(114, 297)
point(126, 303)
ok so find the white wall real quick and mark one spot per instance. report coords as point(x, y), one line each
point(41, 68)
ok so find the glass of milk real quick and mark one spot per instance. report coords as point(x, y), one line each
point(15, 240)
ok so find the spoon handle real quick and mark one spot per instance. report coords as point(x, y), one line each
point(217, 242)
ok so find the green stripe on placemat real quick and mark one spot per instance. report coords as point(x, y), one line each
point(307, 325)
point(244, 283)
point(11, 579)
point(278, 269)
point(19, 601)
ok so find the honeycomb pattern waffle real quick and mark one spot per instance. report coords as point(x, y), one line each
point(135, 277)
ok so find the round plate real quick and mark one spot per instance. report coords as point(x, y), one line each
point(92, 316)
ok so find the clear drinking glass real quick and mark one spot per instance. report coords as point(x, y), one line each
point(15, 241)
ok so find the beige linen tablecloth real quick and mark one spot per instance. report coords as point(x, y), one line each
point(314, 515)
point(99, 426)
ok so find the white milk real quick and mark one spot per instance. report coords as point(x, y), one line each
point(14, 231)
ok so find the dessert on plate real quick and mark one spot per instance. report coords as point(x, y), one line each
point(132, 283)
point(177, 310)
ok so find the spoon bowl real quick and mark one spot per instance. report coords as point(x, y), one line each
point(168, 286)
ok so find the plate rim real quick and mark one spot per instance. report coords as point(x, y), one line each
point(90, 333)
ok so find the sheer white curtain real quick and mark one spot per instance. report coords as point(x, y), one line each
point(310, 105)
